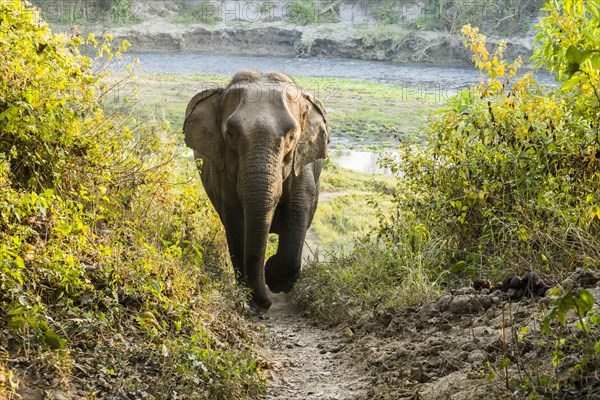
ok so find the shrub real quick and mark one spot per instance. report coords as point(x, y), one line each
point(506, 18)
point(387, 14)
point(302, 12)
point(508, 174)
point(108, 253)
point(122, 11)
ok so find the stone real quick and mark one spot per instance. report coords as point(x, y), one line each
point(477, 356)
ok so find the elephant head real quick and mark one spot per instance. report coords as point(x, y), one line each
point(256, 134)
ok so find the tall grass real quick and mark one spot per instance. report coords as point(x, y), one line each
point(348, 285)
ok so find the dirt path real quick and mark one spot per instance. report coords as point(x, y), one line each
point(444, 349)
point(310, 362)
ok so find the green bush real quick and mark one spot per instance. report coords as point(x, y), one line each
point(387, 14)
point(302, 12)
point(122, 11)
point(108, 252)
point(39, 95)
point(508, 174)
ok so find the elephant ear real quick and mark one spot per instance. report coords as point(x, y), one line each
point(201, 127)
point(314, 136)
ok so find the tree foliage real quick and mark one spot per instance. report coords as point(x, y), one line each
point(569, 46)
point(45, 85)
point(302, 12)
point(508, 17)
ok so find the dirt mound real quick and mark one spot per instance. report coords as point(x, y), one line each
point(256, 40)
point(452, 348)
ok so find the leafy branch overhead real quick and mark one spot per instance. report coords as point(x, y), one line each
point(568, 44)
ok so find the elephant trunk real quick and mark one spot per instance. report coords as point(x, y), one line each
point(261, 189)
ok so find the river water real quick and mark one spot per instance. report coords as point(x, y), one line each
point(427, 77)
point(442, 80)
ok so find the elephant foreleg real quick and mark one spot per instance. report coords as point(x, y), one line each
point(232, 219)
point(282, 270)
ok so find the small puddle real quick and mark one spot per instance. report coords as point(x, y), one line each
point(360, 161)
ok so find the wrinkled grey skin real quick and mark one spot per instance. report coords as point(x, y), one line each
point(262, 142)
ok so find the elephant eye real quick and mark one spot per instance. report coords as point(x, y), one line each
point(291, 135)
point(233, 126)
point(290, 131)
point(231, 132)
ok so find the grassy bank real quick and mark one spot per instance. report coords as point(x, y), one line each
point(351, 204)
point(363, 113)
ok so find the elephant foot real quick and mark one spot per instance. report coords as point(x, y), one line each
point(259, 310)
point(277, 282)
point(259, 304)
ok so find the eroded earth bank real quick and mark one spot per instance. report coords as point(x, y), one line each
point(446, 349)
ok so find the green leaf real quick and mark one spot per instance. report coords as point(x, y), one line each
point(585, 301)
point(584, 326)
point(595, 60)
point(575, 58)
point(573, 55)
point(19, 262)
point(580, 302)
point(574, 81)
point(505, 363)
point(54, 341)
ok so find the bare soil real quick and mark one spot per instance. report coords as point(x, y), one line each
point(309, 361)
point(446, 349)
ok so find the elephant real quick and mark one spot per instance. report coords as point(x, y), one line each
point(260, 144)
